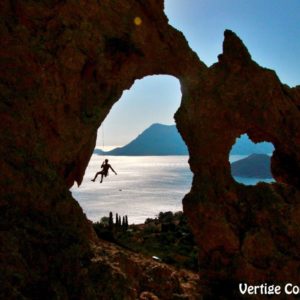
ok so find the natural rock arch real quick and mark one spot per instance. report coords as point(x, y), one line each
point(237, 96)
point(63, 67)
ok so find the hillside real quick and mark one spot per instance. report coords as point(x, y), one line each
point(159, 139)
point(167, 237)
point(132, 275)
point(253, 166)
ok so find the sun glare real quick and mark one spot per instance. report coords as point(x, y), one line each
point(137, 21)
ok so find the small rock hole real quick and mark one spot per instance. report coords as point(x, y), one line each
point(251, 162)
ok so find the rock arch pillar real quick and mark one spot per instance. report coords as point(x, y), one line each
point(244, 234)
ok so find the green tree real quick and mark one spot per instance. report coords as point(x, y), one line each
point(117, 220)
point(110, 221)
point(104, 221)
point(165, 217)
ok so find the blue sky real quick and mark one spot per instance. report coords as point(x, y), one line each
point(269, 28)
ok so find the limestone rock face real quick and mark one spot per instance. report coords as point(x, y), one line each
point(63, 65)
point(132, 276)
point(244, 233)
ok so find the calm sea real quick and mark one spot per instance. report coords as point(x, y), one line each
point(144, 186)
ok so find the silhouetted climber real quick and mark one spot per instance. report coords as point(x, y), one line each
point(104, 170)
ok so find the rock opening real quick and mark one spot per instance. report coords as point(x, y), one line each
point(250, 162)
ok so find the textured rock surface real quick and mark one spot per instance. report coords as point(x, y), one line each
point(244, 233)
point(132, 276)
point(63, 66)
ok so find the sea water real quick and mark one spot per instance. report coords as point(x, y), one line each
point(144, 186)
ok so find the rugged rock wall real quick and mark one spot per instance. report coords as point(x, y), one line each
point(63, 65)
point(245, 233)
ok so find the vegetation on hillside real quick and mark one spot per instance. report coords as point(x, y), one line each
point(166, 238)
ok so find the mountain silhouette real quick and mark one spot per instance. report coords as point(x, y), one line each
point(159, 139)
point(253, 166)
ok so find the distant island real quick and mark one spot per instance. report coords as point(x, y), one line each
point(253, 166)
point(156, 140)
point(159, 139)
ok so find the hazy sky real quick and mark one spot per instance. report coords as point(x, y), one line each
point(269, 28)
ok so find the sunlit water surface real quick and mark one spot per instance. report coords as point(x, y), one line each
point(144, 186)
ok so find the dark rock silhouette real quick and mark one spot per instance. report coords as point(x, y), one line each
point(253, 166)
point(63, 66)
